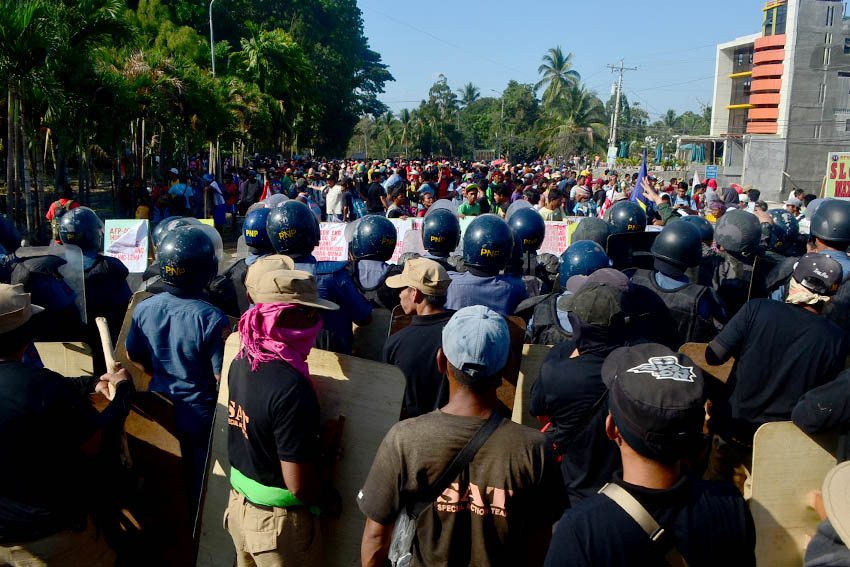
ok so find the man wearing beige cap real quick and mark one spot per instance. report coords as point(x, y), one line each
point(273, 422)
point(47, 426)
point(414, 349)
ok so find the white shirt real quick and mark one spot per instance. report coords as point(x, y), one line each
point(334, 200)
point(218, 197)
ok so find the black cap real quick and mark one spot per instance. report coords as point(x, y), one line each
point(657, 399)
point(818, 273)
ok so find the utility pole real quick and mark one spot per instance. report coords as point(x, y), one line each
point(501, 121)
point(612, 139)
point(212, 44)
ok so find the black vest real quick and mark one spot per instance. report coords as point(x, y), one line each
point(683, 304)
point(545, 328)
point(381, 295)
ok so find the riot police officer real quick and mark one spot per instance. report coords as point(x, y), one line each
point(440, 236)
point(783, 237)
point(372, 243)
point(294, 232)
point(106, 290)
point(487, 246)
point(592, 228)
point(531, 230)
point(549, 324)
point(693, 308)
point(737, 234)
point(703, 273)
point(625, 216)
point(228, 292)
point(151, 280)
point(179, 338)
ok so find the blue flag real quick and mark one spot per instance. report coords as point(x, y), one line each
point(637, 192)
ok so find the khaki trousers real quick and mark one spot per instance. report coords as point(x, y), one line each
point(66, 548)
point(272, 537)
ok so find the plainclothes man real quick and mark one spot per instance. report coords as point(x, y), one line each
point(781, 350)
point(414, 349)
point(656, 411)
point(273, 421)
point(501, 507)
point(47, 421)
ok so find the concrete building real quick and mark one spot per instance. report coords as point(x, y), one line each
point(782, 97)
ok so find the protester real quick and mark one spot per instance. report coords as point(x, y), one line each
point(58, 208)
point(505, 498)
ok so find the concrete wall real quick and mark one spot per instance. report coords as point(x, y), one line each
point(764, 158)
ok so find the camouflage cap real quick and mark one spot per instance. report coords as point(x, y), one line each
point(738, 231)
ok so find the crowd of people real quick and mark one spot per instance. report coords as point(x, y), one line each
point(640, 452)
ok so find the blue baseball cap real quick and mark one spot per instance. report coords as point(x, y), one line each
point(476, 340)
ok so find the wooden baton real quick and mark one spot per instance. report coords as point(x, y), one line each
point(108, 352)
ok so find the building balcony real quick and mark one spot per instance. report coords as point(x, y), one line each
point(769, 42)
point(766, 85)
point(764, 113)
point(765, 99)
point(772, 70)
point(762, 127)
point(768, 56)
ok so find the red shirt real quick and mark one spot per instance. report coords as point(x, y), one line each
point(51, 212)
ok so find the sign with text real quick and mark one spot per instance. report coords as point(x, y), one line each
point(838, 175)
point(332, 245)
point(711, 172)
point(127, 240)
point(558, 235)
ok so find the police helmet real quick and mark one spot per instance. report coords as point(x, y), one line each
point(582, 258)
point(784, 232)
point(738, 231)
point(626, 216)
point(187, 258)
point(83, 228)
point(487, 243)
point(592, 228)
point(529, 226)
point(678, 244)
point(706, 230)
point(293, 229)
point(514, 264)
point(831, 222)
point(167, 224)
point(374, 238)
point(440, 232)
point(254, 230)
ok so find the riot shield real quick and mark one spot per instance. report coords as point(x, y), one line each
point(348, 231)
point(529, 368)
point(413, 242)
point(516, 206)
point(442, 204)
point(241, 249)
point(762, 266)
point(696, 352)
point(369, 394)
point(71, 271)
point(631, 250)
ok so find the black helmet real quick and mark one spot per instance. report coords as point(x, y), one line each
point(784, 232)
point(515, 260)
point(254, 230)
point(82, 228)
point(187, 258)
point(374, 238)
point(738, 231)
point(440, 232)
point(529, 226)
point(706, 230)
point(167, 224)
point(831, 222)
point(582, 258)
point(487, 243)
point(293, 229)
point(626, 216)
point(592, 228)
point(678, 244)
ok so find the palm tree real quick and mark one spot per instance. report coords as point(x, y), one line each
point(405, 130)
point(468, 94)
point(576, 119)
point(558, 74)
point(386, 123)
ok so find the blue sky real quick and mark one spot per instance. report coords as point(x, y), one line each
point(671, 43)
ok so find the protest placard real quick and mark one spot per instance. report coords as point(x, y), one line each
point(127, 240)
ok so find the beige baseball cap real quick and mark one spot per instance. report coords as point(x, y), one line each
point(272, 279)
point(15, 307)
point(426, 275)
point(836, 499)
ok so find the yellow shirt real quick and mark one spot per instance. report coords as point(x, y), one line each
point(143, 212)
point(552, 215)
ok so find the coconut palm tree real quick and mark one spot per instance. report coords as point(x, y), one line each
point(557, 74)
point(468, 94)
point(405, 131)
point(576, 119)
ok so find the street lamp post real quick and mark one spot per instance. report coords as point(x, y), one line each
point(501, 121)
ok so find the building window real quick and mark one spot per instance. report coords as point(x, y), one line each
point(742, 60)
point(847, 125)
point(847, 46)
point(781, 16)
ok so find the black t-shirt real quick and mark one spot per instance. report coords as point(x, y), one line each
point(414, 350)
point(373, 195)
point(827, 408)
point(273, 416)
point(782, 351)
point(44, 420)
point(571, 391)
point(708, 521)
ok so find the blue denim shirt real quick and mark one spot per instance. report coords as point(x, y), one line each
point(182, 339)
point(371, 272)
point(502, 294)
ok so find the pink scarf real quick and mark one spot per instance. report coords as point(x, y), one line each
point(263, 341)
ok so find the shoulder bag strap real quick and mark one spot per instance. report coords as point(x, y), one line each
point(644, 519)
point(463, 458)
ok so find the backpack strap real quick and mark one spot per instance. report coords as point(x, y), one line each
point(644, 519)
